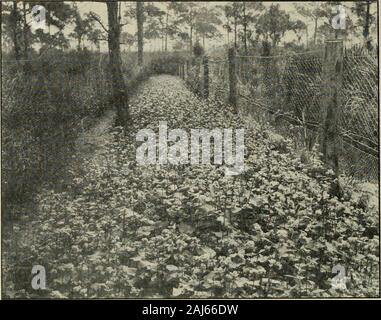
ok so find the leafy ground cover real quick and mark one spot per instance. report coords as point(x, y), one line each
point(125, 230)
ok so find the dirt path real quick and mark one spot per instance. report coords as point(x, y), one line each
point(91, 142)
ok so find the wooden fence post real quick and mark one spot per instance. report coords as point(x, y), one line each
point(187, 69)
point(182, 71)
point(332, 79)
point(206, 77)
point(198, 90)
point(232, 78)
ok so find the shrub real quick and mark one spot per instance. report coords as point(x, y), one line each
point(166, 63)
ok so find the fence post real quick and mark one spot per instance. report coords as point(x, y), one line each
point(232, 78)
point(187, 69)
point(332, 78)
point(182, 71)
point(198, 90)
point(206, 77)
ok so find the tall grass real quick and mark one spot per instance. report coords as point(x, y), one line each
point(42, 106)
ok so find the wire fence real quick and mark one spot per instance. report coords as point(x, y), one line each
point(287, 90)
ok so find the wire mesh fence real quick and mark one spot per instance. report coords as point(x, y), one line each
point(218, 78)
point(287, 90)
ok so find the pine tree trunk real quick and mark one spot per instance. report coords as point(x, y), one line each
point(119, 91)
point(166, 33)
point(245, 27)
point(16, 45)
point(315, 30)
point(307, 37)
point(27, 63)
point(235, 32)
point(25, 33)
point(139, 19)
point(366, 26)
